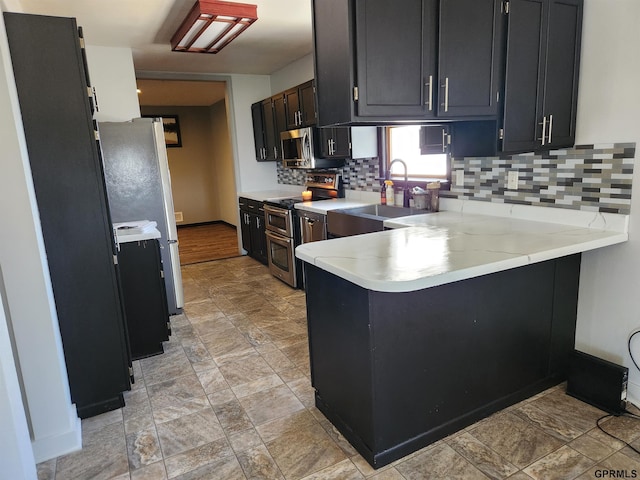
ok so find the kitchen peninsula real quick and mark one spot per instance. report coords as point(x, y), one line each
point(417, 332)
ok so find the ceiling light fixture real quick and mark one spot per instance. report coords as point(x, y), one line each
point(211, 25)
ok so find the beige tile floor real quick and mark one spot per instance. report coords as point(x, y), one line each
point(231, 399)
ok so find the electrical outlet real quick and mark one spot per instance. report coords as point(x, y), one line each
point(512, 180)
point(459, 178)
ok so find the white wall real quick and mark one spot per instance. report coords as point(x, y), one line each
point(112, 75)
point(224, 178)
point(609, 111)
point(250, 174)
point(293, 74)
point(54, 425)
point(16, 455)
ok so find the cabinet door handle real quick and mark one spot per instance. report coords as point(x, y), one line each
point(444, 140)
point(550, 126)
point(429, 86)
point(258, 222)
point(275, 152)
point(544, 129)
point(446, 94)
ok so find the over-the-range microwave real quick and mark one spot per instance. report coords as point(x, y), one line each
point(300, 149)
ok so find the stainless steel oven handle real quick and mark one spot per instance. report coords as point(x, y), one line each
point(279, 239)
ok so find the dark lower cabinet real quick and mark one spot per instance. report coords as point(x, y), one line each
point(254, 239)
point(541, 78)
point(144, 295)
point(70, 191)
point(395, 372)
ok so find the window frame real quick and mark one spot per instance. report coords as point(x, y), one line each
point(385, 159)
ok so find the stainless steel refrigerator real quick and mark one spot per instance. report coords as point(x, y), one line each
point(136, 171)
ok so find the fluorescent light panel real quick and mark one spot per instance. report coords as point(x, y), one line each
point(211, 25)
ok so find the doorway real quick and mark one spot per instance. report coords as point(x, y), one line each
point(201, 163)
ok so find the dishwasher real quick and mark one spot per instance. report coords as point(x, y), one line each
point(313, 226)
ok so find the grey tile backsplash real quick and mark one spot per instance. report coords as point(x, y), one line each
point(358, 174)
point(587, 177)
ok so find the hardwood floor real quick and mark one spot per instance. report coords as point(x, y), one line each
point(203, 243)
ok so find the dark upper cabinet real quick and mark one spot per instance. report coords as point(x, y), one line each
point(70, 190)
point(435, 139)
point(271, 136)
point(394, 58)
point(258, 131)
point(266, 137)
point(469, 53)
point(335, 142)
point(380, 62)
point(307, 94)
point(300, 106)
point(541, 78)
point(280, 122)
point(288, 110)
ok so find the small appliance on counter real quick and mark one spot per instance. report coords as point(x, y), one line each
point(284, 228)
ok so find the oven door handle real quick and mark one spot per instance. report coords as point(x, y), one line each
point(278, 239)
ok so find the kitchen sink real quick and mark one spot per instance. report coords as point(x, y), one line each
point(366, 219)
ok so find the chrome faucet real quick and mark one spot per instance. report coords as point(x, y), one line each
point(405, 196)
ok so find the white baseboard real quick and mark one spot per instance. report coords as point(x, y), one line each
point(633, 393)
point(62, 443)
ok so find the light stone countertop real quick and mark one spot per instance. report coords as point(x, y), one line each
point(449, 246)
point(289, 192)
point(323, 206)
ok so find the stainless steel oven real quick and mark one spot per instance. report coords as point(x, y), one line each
point(283, 227)
point(281, 244)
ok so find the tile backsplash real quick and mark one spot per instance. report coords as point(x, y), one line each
point(359, 174)
point(587, 177)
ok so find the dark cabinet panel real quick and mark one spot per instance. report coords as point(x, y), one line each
point(270, 136)
point(335, 142)
point(307, 92)
point(333, 61)
point(300, 105)
point(389, 62)
point(561, 71)
point(144, 296)
point(280, 119)
point(434, 139)
point(292, 100)
point(74, 214)
point(468, 59)
point(541, 78)
point(254, 239)
point(395, 57)
point(258, 131)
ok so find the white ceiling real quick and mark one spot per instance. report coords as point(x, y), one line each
point(281, 35)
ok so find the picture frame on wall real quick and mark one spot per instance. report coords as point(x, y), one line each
point(171, 127)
